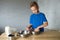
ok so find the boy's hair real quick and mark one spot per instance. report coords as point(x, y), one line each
point(34, 3)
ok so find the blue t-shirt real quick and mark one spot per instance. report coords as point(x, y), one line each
point(37, 20)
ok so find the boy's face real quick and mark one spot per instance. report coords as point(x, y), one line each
point(34, 9)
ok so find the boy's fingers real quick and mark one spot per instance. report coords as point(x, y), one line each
point(27, 28)
point(36, 30)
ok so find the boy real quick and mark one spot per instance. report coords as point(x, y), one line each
point(37, 20)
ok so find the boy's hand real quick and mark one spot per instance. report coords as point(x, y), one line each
point(36, 30)
point(28, 28)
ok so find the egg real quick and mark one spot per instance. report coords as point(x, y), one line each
point(25, 32)
point(28, 32)
point(33, 33)
point(22, 35)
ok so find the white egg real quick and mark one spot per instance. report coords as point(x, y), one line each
point(22, 35)
point(25, 32)
point(33, 33)
point(28, 32)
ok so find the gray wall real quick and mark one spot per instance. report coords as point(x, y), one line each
point(51, 8)
point(14, 13)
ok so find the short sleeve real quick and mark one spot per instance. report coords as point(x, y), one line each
point(44, 18)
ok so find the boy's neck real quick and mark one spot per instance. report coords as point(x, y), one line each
point(37, 12)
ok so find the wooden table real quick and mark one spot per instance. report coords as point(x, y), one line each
point(50, 35)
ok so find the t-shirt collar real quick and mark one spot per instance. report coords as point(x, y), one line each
point(36, 13)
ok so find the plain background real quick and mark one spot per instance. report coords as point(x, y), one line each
point(16, 13)
point(51, 8)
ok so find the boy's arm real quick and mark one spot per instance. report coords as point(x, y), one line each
point(44, 25)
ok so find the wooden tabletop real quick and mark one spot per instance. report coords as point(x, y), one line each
point(50, 35)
